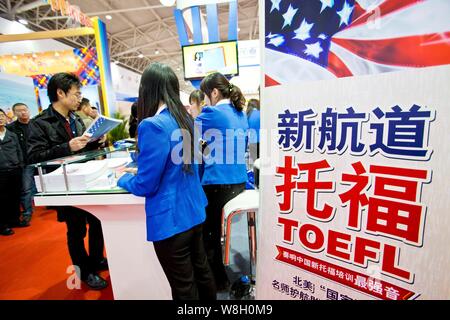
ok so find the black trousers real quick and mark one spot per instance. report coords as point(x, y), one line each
point(218, 196)
point(76, 220)
point(184, 262)
point(253, 149)
point(10, 193)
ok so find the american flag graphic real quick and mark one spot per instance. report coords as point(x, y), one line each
point(323, 39)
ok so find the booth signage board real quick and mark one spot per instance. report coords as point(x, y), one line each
point(354, 185)
point(43, 63)
point(356, 197)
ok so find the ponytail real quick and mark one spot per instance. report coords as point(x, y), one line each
point(227, 90)
point(236, 97)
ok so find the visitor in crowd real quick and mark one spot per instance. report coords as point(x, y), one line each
point(21, 128)
point(94, 113)
point(253, 117)
point(196, 101)
point(10, 178)
point(57, 132)
point(85, 112)
point(222, 124)
point(133, 120)
point(175, 202)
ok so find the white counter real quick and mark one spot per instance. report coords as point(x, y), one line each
point(134, 268)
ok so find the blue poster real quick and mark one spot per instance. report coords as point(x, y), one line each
point(14, 89)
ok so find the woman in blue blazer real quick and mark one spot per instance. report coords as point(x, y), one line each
point(223, 125)
point(174, 199)
point(253, 116)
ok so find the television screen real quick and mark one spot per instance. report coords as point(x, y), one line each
point(201, 59)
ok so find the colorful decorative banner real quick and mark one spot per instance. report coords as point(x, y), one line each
point(67, 9)
point(82, 62)
point(31, 64)
point(85, 67)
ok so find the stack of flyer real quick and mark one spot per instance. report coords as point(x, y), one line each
point(89, 176)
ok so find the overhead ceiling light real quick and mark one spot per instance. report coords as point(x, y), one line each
point(167, 3)
point(23, 21)
point(14, 57)
point(140, 56)
point(56, 54)
point(178, 69)
point(238, 29)
point(190, 40)
point(156, 51)
point(116, 62)
point(108, 17)
point(34, 55)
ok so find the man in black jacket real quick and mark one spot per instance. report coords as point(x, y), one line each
point(57, 132)
point(21, 128)
point(10, 178)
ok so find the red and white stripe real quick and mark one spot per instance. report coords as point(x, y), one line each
point(394, 35)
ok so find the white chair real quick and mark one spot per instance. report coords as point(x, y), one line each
point(246, 202)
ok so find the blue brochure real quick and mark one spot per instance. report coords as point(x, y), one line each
point(101, 126)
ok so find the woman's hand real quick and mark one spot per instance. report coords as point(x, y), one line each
point(131, 170)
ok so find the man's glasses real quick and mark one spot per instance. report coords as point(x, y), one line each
point(77, 95)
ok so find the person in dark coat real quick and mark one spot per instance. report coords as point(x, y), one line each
point(11, 163)
point(21, 128)
point(55, 133)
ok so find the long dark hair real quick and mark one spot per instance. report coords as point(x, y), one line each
point(251, 105)
point(227, 90)
point(160, 84)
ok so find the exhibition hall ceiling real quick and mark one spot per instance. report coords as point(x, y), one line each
point(139, 31)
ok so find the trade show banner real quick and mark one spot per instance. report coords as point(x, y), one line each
point(354, 191)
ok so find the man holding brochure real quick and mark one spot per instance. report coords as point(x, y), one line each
point(58, 132)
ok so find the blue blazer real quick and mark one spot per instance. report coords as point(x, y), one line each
point(174, 200)
point(254, 123)
point(224, 165)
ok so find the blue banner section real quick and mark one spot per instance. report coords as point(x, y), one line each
point(108, 85)
point(232, 21)
point(196, 83)
point(180, 27)
point(213, 23)
point(197, 25)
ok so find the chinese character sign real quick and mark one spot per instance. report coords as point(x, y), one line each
point(355, 204)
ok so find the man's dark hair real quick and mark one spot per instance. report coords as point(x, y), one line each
point(84, 101)
point(63, 81)
point(2, 111)
point(18, 104)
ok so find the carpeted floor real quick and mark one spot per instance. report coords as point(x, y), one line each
point(33, 264)
point(34, 261)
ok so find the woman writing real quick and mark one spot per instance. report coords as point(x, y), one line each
point(223, 126)
point(175, 202)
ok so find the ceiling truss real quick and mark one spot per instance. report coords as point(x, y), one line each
point(154, 39)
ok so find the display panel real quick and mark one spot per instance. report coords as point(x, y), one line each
point(202, 59)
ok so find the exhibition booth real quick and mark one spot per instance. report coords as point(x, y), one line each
point(351, 199)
